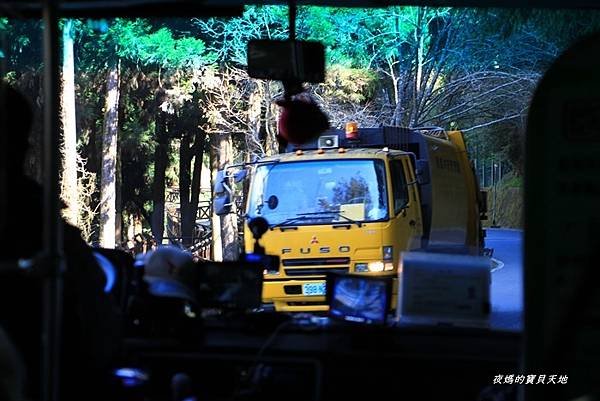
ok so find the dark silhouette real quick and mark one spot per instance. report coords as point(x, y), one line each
point(90, 317)
point(301, 119)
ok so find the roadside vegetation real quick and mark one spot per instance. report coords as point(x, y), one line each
point(152, 107)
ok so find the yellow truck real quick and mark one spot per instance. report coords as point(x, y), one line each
point(352, 200)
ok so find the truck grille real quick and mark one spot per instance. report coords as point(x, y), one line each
point(315, 272)
point(315, 262)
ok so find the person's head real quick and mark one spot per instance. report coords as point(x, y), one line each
point(170, 272)
point(15, 123)
point(301, 119)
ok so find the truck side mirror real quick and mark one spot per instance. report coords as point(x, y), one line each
point(219, 179)
point(423, 172)
point(240, 176)
point(222, 194)
point(222, 204)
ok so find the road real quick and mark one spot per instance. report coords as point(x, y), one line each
point(507, 281)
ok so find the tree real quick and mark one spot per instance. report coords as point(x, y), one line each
point(245, 104)
point(225, 228)
point(470, 69)
point(108, 190)
point(160, 165)
point(138, 41)
point(69, 190)
point(188, 120)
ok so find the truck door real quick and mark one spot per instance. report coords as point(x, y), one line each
point(405, 208)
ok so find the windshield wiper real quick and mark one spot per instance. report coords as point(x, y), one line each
point(309, 216)
point(337, 213)
point(290, 220)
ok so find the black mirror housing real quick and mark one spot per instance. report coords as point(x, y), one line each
point(286, 60)
point(219, 180)
point(240, 176)
point(222, 204)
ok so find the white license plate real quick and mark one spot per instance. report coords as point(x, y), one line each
point(313, 289)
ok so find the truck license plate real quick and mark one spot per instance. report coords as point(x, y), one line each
point(313, 289)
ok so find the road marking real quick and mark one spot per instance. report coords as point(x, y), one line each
point(497, 264)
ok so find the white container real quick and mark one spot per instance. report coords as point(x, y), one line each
point(444, 289)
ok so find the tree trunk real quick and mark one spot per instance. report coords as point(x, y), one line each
point(119, 222)
point(228, 223)
point(216, 249)
point(108, 183)
point(270, 120)
point(185, 161)
point(189, 183)
point(69, 174)
point(253, 143)
point(160, 167)
point(198, 151)
point(419, 60)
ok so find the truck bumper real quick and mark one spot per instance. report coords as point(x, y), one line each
point(287, 296)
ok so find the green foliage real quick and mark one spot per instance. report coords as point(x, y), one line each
point(349, 85)
point(509, 208)
point(458, 68)
point(512, 181)
point(21, 45)
point(136, 41)
point(136, 141)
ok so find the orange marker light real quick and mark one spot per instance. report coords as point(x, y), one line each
point(320, 151)
point(352, 130)
point(299, 152)
point(341, 150)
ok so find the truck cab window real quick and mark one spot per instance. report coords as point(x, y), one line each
point(316, 192)
point(399, 187)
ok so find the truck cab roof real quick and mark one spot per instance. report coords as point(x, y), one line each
point(335, 153)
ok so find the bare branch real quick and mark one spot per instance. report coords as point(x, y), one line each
point(487, 124)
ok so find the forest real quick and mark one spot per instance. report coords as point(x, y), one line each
point(152, 107)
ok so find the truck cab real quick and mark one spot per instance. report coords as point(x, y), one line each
point(353, 201)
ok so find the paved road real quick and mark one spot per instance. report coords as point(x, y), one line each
point(507, 282)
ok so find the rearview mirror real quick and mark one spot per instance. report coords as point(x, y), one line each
point(286, 60)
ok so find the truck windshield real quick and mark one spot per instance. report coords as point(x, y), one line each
point(320, 192)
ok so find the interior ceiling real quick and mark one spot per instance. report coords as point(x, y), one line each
point(188, 8)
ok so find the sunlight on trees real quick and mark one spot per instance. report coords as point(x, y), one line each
point(182, 97)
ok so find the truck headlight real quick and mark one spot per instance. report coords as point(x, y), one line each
point(376, 266)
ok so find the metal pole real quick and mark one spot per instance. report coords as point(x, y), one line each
point(292, 19)
point(53, 241)
point(495, 180)
point(500, 171)
point(483, 172)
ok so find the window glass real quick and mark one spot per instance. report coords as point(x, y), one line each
point(400, 190)
point(319, 192)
